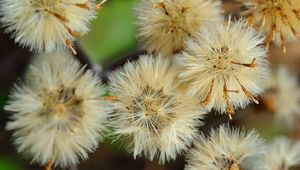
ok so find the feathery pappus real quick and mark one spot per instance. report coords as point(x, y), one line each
point(224, 66)
point(278, 19)
point(283, 154)
point(156, 120)
point(283, 96)
point(227, 149)
point(57, 112)
point(46, 25)
point(163, 25)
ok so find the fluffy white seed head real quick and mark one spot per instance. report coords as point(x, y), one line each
point(224, 66)
point(283, 90)
point(156, 119)
point(57, 112)
point(45, 25)
point(283, 154)
point(165, 24)
point(279, 19)
point(227, 149)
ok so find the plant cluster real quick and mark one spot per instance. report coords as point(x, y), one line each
point(198, 63)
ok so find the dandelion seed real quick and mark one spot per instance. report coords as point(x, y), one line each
point(283, 154)
point(57, 112)
point(165, 24)
point(225, 66)
point(284, 93)
point(149, 111)
point(227, 149)
point(45, 25)
point(279, 19)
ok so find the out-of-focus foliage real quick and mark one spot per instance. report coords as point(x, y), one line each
point(7, 163)
point(267, 129)
point(112, 33)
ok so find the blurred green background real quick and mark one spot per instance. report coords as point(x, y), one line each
point(112, 33)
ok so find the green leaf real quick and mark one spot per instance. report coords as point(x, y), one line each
point(112, 33)
point(8, 164)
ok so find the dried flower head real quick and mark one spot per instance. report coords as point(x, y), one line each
point(283, 96)
point(227, 149)
point(58, 113)
point(165, 24)
point(279, 19)
point(225, 65)
point(156, 119)
point(283, 154)
point(45, 25)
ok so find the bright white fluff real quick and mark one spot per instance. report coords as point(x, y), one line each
point(283, 154)
point(155, 118)
point(284, 91)
point(165, 24)
point(45, 25)
point(224, 66)
point(57, 112)
point(227, 149)
point(279, 19)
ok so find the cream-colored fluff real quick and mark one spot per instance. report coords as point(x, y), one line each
point(282, 154)
point(164, 25)
point(225, 66)
point(45, 25)
point(156, 119)
point(227, 149)
point(57, 111)
point(284, 91)
point(279, 19)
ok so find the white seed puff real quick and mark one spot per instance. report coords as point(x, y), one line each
point(283, 154)
point(283, 92)
point(57, 111)
point(224, 66)
point(227, 149)
point(45, 25)
point(157, 120)
point(279, 19)
point(163, 25)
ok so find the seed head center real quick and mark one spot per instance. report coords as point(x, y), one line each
point(153, 108)
point(60, 110)
point(63, 106)
point(235, 166)
point(220, 62)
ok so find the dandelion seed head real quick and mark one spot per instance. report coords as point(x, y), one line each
point(226, 149)
point(283, 154)
point(284, 90)
point(158, 120)
point(46, 25)
point(57, 111)
point(164, 25)
point(224, 66)
point(279, 19)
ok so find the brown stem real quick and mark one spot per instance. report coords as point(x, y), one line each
point(49, 165)
point(100, 4)
point(83, 57)
point(207, 99)
point(110, 98)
